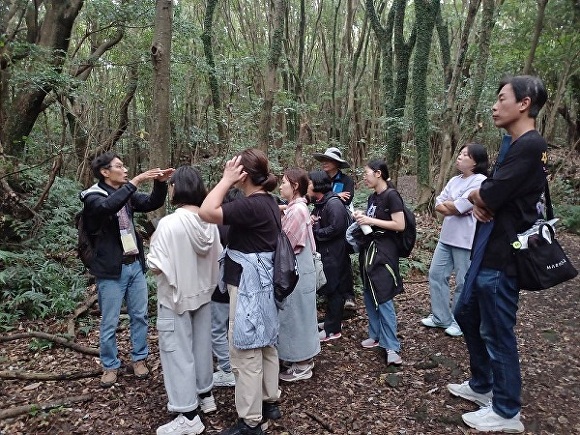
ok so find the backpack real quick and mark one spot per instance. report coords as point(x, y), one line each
point(85, 246)
point(285, 268)
point(406, 239)
point(85, 240)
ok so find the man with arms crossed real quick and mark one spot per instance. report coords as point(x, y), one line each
point(506, 203)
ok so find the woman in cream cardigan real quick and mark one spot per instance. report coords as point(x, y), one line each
point(184, 255)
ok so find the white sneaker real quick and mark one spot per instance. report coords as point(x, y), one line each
point(223, 379)
point(182, 426)
point(288, 364)
point(393, 358)
point(332, 336)
point(349, 304)
point(430, 322)
point(207, 404)
point(454, 330)
point(465, 391)
point(295, 373)
point(486, 420)
point(369, 343)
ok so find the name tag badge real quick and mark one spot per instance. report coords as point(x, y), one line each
point(128, 241)
point(338, 187)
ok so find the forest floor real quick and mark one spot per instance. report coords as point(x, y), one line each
point(352, 391)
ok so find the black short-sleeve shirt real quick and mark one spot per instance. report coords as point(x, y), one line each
point(382, 205)
point(254, 224)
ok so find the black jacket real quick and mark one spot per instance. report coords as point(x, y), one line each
point(329, 233)
point(102, 223)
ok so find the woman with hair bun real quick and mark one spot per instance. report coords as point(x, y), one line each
point(247, 271)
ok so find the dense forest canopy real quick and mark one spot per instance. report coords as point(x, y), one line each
point(407, 80)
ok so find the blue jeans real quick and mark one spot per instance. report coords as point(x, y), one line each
point(446, 259)
point(382, 322)
point(132, 287)
point(220, 313)
point(487, 320)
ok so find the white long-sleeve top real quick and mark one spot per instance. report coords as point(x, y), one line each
point(185, 249)
point(459, 230)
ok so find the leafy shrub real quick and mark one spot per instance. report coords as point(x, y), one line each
point(565, 200)
point(40, 275)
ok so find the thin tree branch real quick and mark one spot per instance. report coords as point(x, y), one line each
point(24, 409)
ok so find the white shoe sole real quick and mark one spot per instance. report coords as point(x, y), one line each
point(480, 399)
point(512, 427)
point(303, 376)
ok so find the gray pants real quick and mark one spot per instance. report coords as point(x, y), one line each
point(220, 313)
point(186, 359)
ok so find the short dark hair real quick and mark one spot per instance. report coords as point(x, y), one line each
point(102, 161)
point(321, 182)
point(527, 86)
point(188, 187)
point(479, 155)
point(298, 176)
point(232, 194)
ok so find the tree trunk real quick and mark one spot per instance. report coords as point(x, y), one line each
point(394, 75)
point(425, 13)
point(536, 38)
point(206, 38)
point(52, 33)
point(488, 20)
point(159, 150)
point(334, 133)
point(556, 101)
point(453, 77)
point(403, 51)
point(271, 85)
point(349, 132)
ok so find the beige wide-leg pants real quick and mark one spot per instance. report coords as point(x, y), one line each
point(256, 372)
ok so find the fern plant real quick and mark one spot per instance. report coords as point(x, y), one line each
point(39, 273)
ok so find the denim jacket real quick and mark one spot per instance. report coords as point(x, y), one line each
point(256, 316)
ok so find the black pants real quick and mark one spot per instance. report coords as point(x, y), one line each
point(334, 311)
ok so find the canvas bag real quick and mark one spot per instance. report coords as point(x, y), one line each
point(319, 270)
point(541, 262)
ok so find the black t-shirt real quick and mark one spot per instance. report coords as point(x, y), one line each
point(382, 206)
point(254, 225)
point(512, 193)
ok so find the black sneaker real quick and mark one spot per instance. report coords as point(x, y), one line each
point(271, 411)
point(241, 428)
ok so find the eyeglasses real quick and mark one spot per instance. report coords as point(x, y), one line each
point(116, 167)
